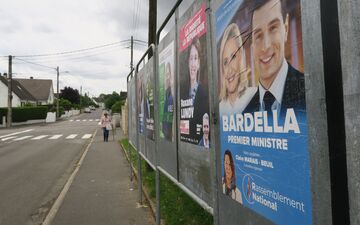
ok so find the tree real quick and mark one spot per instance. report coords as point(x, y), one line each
point(70, 94)
point(111, 99)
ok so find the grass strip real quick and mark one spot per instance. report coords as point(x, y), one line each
point(176, 207)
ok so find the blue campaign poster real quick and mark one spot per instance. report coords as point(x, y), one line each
point(263, 125)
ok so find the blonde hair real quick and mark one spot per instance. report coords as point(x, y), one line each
point(232, 31)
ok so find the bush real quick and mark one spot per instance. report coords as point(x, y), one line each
point(116, 108)
point(22, 114)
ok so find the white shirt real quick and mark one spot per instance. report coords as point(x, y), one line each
point(276, 88)
point(226, 108)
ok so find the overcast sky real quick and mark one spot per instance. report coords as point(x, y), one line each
point(36, 27)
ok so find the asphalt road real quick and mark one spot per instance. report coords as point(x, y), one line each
point(35, 163)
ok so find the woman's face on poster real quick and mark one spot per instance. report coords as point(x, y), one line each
point(231, 65)
point(227, 167)
point(194, 63)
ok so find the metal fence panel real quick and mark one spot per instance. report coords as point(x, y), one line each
point(193, 90)
point(132, 112)
point(263, 166)
point(149, 79)
point(167, 148)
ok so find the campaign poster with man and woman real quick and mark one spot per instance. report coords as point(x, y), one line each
point(263, 125)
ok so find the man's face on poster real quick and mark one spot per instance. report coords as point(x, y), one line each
point(206, 127)
point(269, 37)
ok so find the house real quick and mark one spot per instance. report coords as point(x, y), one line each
point(26, 91)
point(20, 95)
point(42, 90)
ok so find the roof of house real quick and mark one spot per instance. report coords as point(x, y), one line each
point(19, 90)
point(38, 88)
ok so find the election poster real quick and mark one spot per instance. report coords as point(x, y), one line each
point(149, 100)
point(194, 98)
point(140, 100)
point(167, 92)
point(263, 124)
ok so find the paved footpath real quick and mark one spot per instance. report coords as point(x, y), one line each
point(101, 193)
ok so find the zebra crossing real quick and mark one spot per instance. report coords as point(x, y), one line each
point(16, 137)
point(84, 120)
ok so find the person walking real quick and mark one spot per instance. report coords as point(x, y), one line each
point(106, 125)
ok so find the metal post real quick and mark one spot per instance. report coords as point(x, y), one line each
point(132, 55)
point(157, 183)
point(58, 94)
point(139, 177)
point(9, 113)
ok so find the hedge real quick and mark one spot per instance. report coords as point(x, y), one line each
point(22, 114)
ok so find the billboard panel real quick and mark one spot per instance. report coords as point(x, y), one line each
point(194, 98)
point(263, 124)
point(167, 91)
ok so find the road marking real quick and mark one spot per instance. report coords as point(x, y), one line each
point(84, 120)
point(55, 136)
point(86, 136)
point(77, 120)
point(60, 199)
point(20, 132)
point(97, 120)
point(8, 138)
point(99, 123)
point(22, 138)
point(71, 120)
point(39, 137)
point(91, 120)
point(71, 136)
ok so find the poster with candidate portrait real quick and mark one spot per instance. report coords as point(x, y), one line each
point(149, 99)
point(167, 92)
point(263, 125)
point(194, 98)
point(140, 101)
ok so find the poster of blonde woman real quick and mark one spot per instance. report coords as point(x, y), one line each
point(263, 125)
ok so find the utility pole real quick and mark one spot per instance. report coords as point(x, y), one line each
point(152, 23)
point(58, 94)
point(80, 96)
point(9, 113)
point(132, 50)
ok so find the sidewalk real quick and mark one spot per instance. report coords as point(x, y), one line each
point(101, 191)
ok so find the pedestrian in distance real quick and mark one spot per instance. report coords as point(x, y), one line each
point(106, 125)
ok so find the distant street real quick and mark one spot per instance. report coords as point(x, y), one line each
point(35, 163)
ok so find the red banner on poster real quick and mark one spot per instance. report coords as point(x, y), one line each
point(195, 27)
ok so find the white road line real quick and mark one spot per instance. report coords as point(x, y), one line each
point(22, 138)
point(77, 120)
point(20, 132)
point(71, 136)
point(84, 120)
point(71, 120)
point(39, 137)
point(97, 120)
point(99, 123)
point(8, 138)
point(91, 120)
point(86, 136)
point(55, 136)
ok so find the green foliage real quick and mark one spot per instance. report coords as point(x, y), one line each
point(22, 114)
point(116, 108)
point(66, 104)
point(110, 100)
point(177, 208)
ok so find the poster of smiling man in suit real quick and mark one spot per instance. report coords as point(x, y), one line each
point(262, 107)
